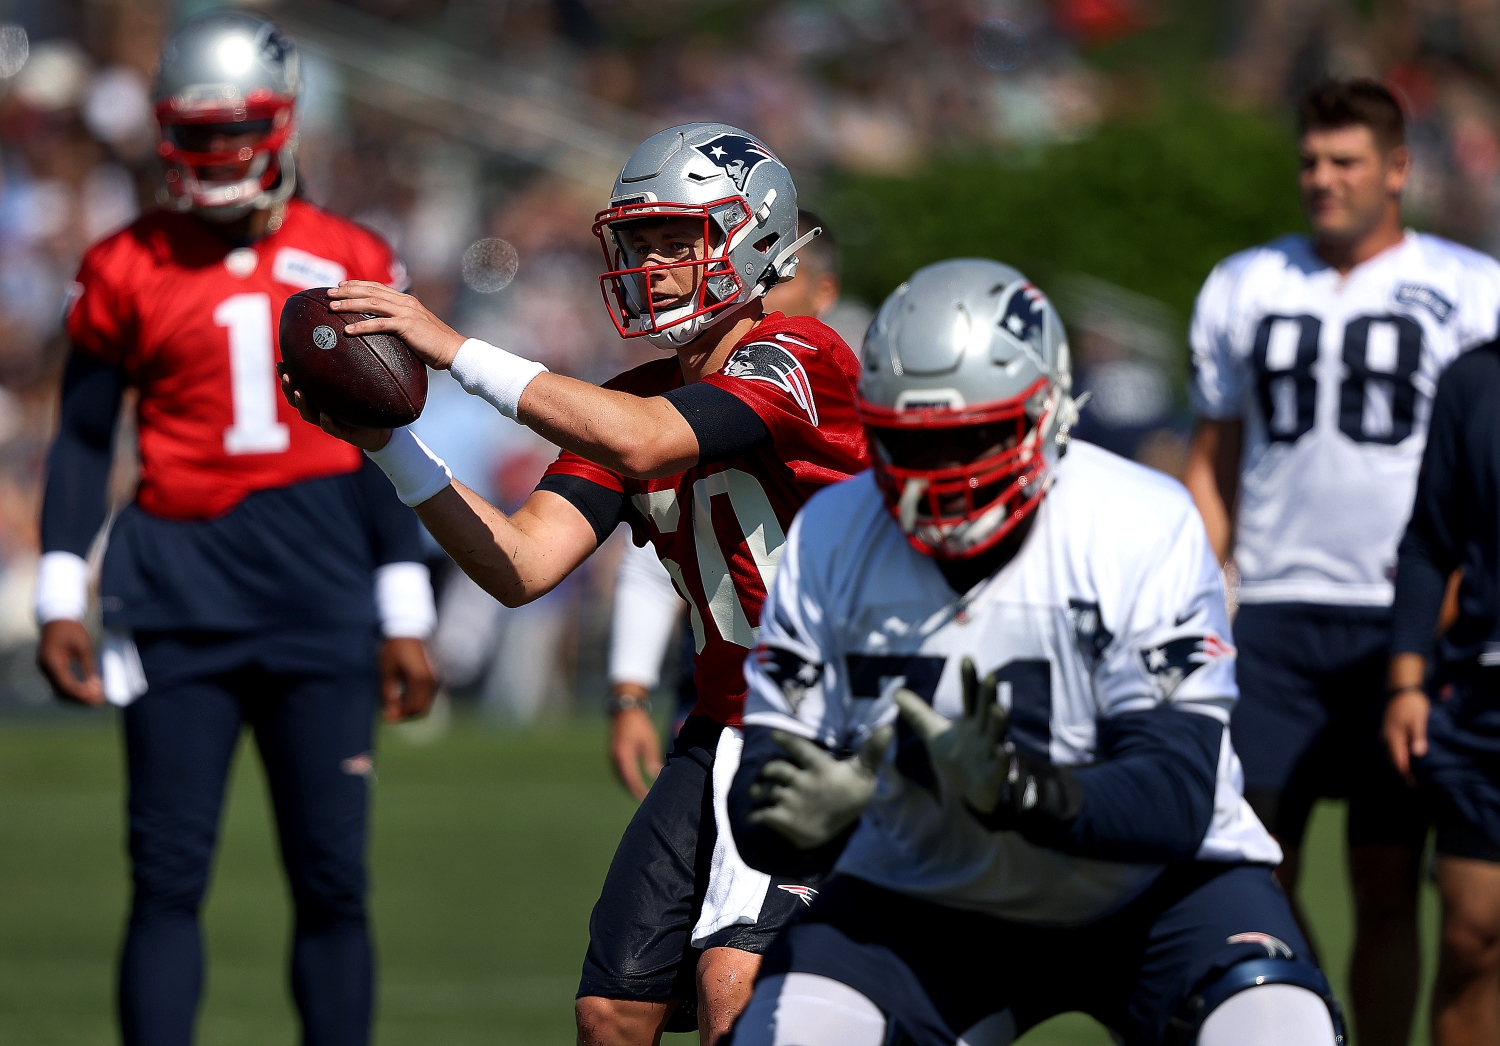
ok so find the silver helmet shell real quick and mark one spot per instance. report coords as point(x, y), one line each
point(221, 69)
point(745, 197)
point(967, 342)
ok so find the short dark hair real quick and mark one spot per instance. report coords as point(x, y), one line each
point(1353, 103)
point(822, 251)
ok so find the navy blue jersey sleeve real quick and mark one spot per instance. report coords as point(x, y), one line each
point(1433, 545)
point(762, 848)
point(1149, 799)
point(395, 529)
point(78, 464)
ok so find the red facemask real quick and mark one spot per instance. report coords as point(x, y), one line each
point(955, 511)
point(178, 116)
point(626, 287)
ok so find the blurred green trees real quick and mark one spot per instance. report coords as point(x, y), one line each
point(1150, 206)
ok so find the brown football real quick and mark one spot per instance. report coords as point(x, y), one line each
point(372, 380)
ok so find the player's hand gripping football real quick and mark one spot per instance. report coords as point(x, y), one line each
point(434, 342)
point(810, 797)
point(364, 439)
point(969, 752)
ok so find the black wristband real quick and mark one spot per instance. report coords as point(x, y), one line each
point(625, 702)
point(1397, 691)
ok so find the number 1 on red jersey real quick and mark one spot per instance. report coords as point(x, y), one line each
point(252, 376)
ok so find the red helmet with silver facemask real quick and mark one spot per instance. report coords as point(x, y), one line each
point(965, 397)
point(225, 98)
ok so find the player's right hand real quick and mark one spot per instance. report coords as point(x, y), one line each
point(364, 439)
point(968, 753)
point(810, 797)
point(1406, 730)
point(65, 655)
point(634, 743)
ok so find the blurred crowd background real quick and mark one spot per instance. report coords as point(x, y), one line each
point(1113, 148)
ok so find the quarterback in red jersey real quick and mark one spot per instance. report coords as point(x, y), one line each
point(708, 455)
point(265, 575)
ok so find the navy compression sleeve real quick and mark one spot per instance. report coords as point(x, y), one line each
point(1149, 799)
point(726, 426)
point(78, 464)
point(395, 529)
point(1432, 547)
point(765, 849)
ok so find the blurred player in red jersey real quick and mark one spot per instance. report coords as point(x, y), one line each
point(250, 581)
point(707, 454)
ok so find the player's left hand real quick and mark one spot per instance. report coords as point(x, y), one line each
point(364, 439)
point(810, 797)
point(968, 753)
point(407, 681)
point(434, 342)
point(1405, 730)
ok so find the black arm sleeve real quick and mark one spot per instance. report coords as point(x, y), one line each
point(725, 425)
point(73, 504)
point(602, 507)
point(395, 528)
point(765, 849)
point(1151, 799)
point(1432, 546)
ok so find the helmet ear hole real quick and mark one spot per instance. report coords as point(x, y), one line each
point(765, 244)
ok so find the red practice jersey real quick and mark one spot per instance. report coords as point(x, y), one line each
point(193, 323)
point(719, 528)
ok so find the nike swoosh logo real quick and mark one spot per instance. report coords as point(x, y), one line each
point(1183, 619)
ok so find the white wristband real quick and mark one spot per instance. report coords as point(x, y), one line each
point(403, 597)
point(62, 587)
point(493, 374)
point(416, 472)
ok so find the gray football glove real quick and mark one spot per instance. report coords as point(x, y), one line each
point(810, 797)
point(969, 752)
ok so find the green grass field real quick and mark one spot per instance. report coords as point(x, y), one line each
point(489, 848)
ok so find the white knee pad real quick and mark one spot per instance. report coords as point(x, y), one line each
point(1270, 1015)
point(805, 1009)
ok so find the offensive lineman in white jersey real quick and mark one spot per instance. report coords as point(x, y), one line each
point(1315, 361)
point(1069, 833)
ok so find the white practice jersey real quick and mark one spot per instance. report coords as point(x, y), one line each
point(1114, 604)
point(1333, 377)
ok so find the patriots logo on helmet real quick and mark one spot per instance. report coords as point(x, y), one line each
point(1172, 662)
point(767, 361)
point(736, 156)
point(1025, 317)
point(806, 893)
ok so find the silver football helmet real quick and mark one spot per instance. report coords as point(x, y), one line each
point(747, 203)
point(227, 73)
point(966, 396)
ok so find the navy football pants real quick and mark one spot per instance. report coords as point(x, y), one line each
point(314, 733)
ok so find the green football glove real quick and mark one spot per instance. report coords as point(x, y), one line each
point(969, 752)
point(810, 797)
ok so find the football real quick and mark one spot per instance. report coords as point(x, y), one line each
point(371, 380)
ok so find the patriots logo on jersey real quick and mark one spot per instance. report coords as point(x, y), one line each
point(736, 156)
point(1025, 315)
point(767, 361)
point(1170, 663)
point(805, 893)
point(1425, 297)
point(1088, 628)
point(792, 673)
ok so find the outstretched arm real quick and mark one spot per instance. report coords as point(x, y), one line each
point(643, 437)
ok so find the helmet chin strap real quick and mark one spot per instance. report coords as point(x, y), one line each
point(906, 507)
